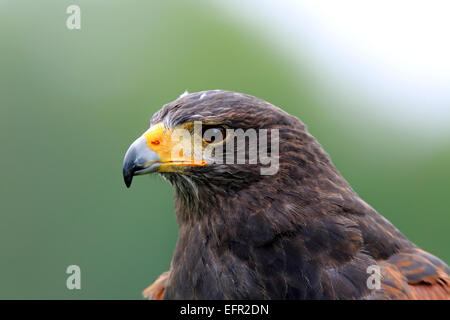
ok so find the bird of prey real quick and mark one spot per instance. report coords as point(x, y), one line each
point(299, 233)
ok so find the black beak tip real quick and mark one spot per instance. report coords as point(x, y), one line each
point(127, 176)
point(128, 181)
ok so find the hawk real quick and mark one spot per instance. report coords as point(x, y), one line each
point(301, 232)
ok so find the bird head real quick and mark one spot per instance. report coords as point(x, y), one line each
point(221, 142)
point(209, 136)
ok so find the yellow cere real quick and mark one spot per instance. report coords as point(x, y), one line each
point(172, 147)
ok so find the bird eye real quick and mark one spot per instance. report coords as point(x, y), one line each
point(213, 133)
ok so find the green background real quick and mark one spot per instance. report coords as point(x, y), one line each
point(71, 102)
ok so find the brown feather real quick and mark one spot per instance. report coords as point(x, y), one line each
point(156, 290)
point(415, 275)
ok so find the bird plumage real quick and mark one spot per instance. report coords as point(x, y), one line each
point(302, 233)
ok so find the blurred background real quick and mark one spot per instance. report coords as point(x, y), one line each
point(370, 79)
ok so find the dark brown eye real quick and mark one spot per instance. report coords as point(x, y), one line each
point(213, 133)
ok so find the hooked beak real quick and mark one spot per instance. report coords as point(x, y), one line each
point(157, 150)
point(139, 159)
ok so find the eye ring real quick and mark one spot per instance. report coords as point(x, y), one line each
point(213, 134)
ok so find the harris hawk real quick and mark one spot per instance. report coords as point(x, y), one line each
point(300, 233)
